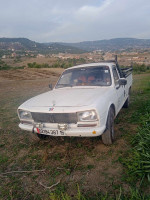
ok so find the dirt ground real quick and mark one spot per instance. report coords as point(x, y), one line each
point(86, 162)
point(24, 61)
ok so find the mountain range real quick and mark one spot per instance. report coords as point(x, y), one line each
point(24, 44)
point(117, 44)
point(112, 44)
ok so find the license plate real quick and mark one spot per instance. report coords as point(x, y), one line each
point(50, 132)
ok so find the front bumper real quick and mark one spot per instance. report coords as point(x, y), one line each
point(71, 131)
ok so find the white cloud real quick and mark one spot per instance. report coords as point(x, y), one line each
point(93, 11)
point(56, 20)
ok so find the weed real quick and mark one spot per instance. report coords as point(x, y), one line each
point(56, 173)
point(3, 159)
point(90, 167)
point(133, 194)
point(57, 156)
point(2, 145)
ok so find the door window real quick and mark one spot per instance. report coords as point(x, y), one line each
point(115, 75)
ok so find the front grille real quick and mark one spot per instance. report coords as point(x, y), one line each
point(54, 117)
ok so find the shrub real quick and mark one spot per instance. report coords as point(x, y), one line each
point(139, 68)
point(36, 65)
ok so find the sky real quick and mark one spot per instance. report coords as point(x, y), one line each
point(74, 21)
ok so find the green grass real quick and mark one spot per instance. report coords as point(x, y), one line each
point(64, 159)
point(137, 159)
point(133, 194)
point(3, 159)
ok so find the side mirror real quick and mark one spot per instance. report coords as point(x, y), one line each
point(122, 81)
point(51, 86)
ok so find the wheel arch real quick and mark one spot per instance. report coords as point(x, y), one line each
point(108, 135)
point(113, 107)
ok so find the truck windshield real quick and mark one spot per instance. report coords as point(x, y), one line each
point(86, 76)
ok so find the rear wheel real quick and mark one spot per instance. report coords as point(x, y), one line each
point(127, 102)
point(108, 136)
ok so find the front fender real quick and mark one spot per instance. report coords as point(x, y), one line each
point(103, 111)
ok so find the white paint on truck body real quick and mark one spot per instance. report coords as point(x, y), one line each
point(77, 99)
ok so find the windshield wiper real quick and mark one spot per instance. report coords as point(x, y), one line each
point(63, 85)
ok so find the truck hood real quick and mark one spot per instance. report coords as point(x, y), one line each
point(67, 97)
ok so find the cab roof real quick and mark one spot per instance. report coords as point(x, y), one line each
point(103, 63)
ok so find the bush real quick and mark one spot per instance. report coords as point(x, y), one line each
point(139, 68)
point(3, 65)
point(36, 65)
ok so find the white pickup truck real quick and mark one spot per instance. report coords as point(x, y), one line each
point(83, 103)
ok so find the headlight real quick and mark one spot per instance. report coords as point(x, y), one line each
point(23, 114)
point(87, 116)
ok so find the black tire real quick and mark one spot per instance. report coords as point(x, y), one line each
point(42, 137)
point(127, 102)
point(108, 136)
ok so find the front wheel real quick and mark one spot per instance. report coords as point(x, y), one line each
point(108, 136)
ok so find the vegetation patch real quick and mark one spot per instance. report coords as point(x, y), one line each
point(139, 68)
point(4, 66)
point(133, 194)
point(74, 168)
point(59, 64)
point(137, 159)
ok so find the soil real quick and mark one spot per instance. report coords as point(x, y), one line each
point(84, 161)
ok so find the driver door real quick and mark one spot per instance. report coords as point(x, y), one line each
point(120, 89)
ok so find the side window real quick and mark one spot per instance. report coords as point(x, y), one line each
point(65, 78)
point(115, 74)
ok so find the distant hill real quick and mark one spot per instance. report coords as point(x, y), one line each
point(112, 44)
point(24, 44)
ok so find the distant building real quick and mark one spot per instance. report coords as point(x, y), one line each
point(4, 57)
point(40, 56)
point(13, 55)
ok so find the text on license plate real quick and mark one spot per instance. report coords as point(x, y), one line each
point(50, 132)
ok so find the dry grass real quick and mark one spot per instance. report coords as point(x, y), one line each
point(83, 161)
